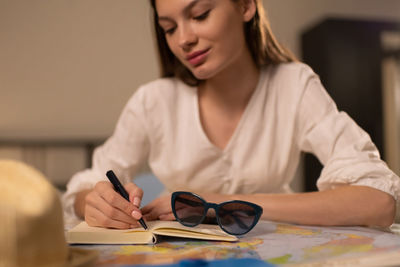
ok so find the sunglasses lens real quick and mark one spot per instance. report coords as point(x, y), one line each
point(237, 218)
point(189, 209)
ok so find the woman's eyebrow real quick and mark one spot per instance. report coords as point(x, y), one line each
point(185, 11)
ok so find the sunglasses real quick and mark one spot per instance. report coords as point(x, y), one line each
point(234, 217)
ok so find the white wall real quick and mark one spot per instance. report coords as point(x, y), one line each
point(67, 67)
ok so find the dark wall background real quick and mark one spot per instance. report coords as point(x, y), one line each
point(347, 54)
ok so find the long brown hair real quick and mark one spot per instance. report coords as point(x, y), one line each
point(263, 46)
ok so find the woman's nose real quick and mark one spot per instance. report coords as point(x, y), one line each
point(187, 37)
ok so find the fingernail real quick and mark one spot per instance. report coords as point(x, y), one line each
point(136, 202)
point(136, 215)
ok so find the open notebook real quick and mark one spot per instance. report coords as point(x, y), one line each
point(85, 234)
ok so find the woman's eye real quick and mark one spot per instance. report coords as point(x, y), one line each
point(169, 31)
point(202, 16)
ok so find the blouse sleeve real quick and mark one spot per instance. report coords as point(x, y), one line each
point(124, 152)
point(346, 151)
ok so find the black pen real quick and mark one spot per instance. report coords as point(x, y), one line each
point(121, 190)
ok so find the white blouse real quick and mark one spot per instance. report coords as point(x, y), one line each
point(289, 112)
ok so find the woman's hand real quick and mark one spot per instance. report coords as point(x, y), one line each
point(104, 207)
point(159, 209)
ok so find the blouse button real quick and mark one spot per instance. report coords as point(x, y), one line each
point(227, 160)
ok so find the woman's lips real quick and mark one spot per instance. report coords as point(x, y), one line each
point(197, 57)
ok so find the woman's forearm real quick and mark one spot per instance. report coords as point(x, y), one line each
point(346, 205)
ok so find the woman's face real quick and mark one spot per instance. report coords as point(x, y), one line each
point(207, 36)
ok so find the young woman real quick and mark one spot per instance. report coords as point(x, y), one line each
point(229, 120)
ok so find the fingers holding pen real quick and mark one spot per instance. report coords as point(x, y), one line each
point(135, 194)
point(95, 217)
point(135, 197)
point(99, 212)
point(118, 202)
point(112, 205)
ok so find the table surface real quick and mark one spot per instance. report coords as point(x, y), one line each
point(277, 243)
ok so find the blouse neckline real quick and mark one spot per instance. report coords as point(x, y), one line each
point(239, 126)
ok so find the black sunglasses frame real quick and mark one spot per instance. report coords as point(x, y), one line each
point(207, 205)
